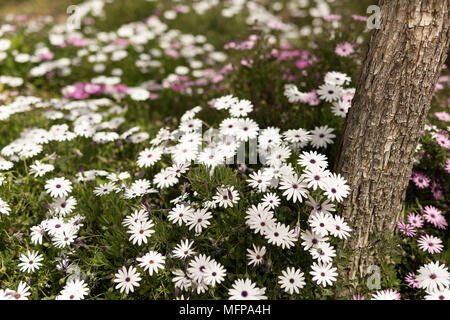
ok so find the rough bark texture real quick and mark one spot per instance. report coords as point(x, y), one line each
point(389, 109)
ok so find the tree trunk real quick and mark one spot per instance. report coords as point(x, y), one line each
point(388, 112)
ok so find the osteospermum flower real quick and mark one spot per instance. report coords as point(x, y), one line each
point(434, 216)
point(260, 219)
point(431, 244)
point(336, 187)
point(316, 178)
point(183, 250)
point(281, 235)
point(63, 206)
point(321, 223)
point(65, 237)
point(180, 214)
point(322, 136)
point(58, 187)
point(127, 279)
point(75, 289)
point(294, 188)
point(181, 280)
point(165, 178)
point(298, 137)
point(256, 255)
point(344, 49)
point(411, 280)
point(443, 294)
point(22, 292)
point(105, 188)
point(5, 164)
point(105, 137)
point(389, 294)
point(226, 196)
point(291, 280)
point(136, 217)
point(329, 93)
point(323, 274)
point(199, 220)
point(259, 181)
point(406, 229)
point(148, 157)
point(214, 273)
point(246, 129)
point(323, 252)
point(37, 233)
point(241, 108)
point(433, 276)
point(312, 160)
point(311, 239)
point(225, 102)
point(140, 231)
point(197, 267)
point(39, 169)
point(271, 200)
point(421, 180)
point(339, 228)
point(415, 220)
point(340, 108)
point(244, 289)
point(4, 207)
point(30, 261)
point(152, 261)
point(447, 166)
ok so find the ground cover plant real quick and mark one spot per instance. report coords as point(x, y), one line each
point(186, 150)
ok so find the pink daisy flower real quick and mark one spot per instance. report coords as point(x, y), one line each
point(332, 17)
point(436, 190)
point(358, 297)
point(421, 180)
point(389, 294)
point(411, 280)
point(359, 18)
point(344, 49)
point(406, 229)
point(444, 116)
point(443, 141)
point(434, 216)
point(447, 166)
point(415, 220)
point(430, 243)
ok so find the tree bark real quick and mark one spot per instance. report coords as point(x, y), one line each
point(388, 112)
